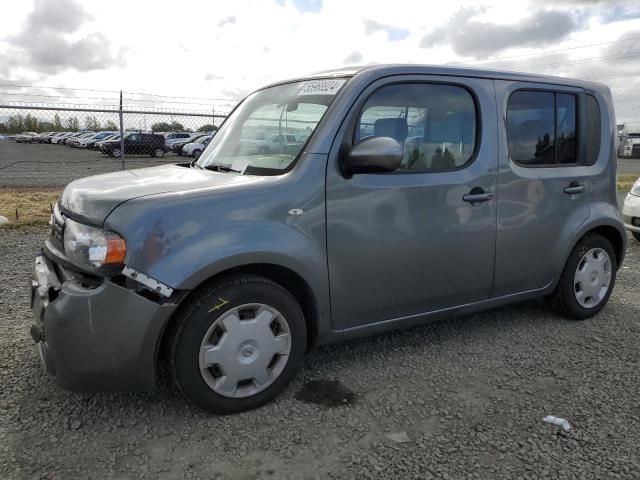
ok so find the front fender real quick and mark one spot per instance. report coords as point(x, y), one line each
point(182, 239)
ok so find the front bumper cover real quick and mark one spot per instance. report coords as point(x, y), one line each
point(95, 339)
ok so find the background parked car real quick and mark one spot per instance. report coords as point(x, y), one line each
point(111, 138)
point(71, 139)
point(58, 138)
point(631, 211)
point(170, 138)
point(75, 141)
point(25, 137)
point(194, 149)
point(40, 137)
point(278, 143)
point(91, 141)
point(176, 147)
point(137, 143)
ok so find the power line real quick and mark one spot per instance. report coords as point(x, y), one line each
point(177, 96)
point(20, 94)
point(546, 52)
point(116, 92)
point(59, 88)
point(582, 60)
point(615, 75)
point(114, 108)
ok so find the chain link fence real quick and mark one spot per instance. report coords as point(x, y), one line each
point(49, 145)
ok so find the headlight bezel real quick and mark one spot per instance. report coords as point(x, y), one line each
point(93, 249)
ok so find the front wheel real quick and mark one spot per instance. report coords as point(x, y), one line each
point(158, 153)
point(196, 153)
point(237, 344)
point(115, 152)
point(587, 280)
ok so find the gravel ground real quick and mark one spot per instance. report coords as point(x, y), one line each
point(462, 398)
point(46, 165)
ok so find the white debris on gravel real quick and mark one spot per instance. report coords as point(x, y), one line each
point(3, 220)
point(398, 437)
point(563, 423)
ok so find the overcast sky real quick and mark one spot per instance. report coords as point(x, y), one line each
point(224, 49)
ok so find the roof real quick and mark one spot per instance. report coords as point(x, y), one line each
point(445, 70)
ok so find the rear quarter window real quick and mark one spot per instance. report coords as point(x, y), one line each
point(593, 122)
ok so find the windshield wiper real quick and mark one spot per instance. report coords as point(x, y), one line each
point(221, 168)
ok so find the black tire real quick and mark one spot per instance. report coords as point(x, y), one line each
point(158, 153)
point(636, 235)
point(196, 153)
point(115, 152)
point(194, 321)
point(563, 299)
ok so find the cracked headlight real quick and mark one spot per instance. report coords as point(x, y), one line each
point(92, 247)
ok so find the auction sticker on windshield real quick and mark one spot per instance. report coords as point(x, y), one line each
point(322, 87)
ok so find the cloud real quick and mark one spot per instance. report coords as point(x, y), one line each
point(59, 15)
point(482, 39)
point(353, 58)
point(210, 76)
point(629, 45)
point(44, 42)
point(393, 33)
point(226, 21)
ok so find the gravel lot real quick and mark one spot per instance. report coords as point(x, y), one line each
point(470, 394)
point(45, 165)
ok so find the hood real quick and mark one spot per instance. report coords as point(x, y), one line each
point(91, 199)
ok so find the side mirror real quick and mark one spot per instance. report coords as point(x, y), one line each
point(373, 155)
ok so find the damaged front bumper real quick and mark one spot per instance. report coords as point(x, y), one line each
point(95, 338)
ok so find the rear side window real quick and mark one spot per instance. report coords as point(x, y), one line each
point(593, 130)
point(541, 128)
point(435, 123)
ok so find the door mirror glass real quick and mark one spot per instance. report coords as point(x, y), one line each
point(373, 155)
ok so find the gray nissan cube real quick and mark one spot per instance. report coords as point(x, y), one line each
point(329, 207)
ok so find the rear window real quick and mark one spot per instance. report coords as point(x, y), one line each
point(541, 128)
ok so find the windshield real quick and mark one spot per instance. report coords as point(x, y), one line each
point(267, 132)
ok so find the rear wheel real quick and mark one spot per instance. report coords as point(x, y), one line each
point(158, 153)
point(237, 344)
point(587, 280)
point(115, 152)
point(636, 235)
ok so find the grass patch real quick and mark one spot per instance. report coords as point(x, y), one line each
point(32, 204)
point(625, 182)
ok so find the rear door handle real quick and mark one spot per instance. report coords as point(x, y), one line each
point(475, 198)
point(574, 188)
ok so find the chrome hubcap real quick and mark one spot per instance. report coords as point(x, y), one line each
point(245, 350)
point(592, 278)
